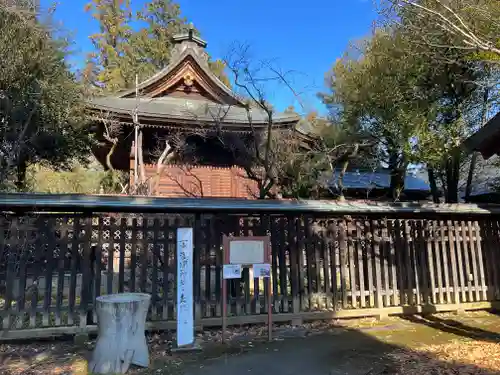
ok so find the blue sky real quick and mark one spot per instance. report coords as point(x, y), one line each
point(305, 37)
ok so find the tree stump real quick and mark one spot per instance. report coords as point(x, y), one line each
point(121, 341)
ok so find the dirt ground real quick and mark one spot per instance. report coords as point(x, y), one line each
point(440, 344)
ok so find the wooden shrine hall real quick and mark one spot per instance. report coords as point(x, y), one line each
point(185, 117)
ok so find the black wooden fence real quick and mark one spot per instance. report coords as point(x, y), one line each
point(330, 260)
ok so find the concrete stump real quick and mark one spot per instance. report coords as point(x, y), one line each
point(121, 341)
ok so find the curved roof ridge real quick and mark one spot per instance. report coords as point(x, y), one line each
point(188, 52)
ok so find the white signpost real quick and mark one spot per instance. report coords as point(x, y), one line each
point(185, 318)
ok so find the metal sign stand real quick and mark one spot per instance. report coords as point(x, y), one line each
point(266, 257)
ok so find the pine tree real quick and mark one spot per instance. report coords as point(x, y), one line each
point(122, 52)
point(112, 44)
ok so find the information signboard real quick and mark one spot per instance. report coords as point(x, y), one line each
point(185, 318)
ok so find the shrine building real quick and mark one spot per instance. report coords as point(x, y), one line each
point(186, 109)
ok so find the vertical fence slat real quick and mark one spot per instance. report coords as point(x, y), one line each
point(121, 257)
point(430, 260)
point(266, 226)
point(50, 260)
point(111, 255)
point(414, 262)
point(247, 280)
point(98, 257)
point(300, 253)
point(294, 253)
point(143, 255)
point(133, 256)
point(344, 272)
point(407, 262)
point(217, 242)
point(199, 243)
point(437, 251)
point(392, 265)
point(75, 240)
point(85, 300)
point(466, 242)
point(385, 258)
point(282, 267)
point(351, 258)
point(453, 260)
point(167, 245)
point(24, 236)
point(480, 260)
point(327, 277)
point(399, 241)
point(155, 255)
point(473, 257)
point(375, 230)
point(208, 266)
point(459, 242)
point(63, 247)
point(445, 251)
point(422, 262)
point(13, 247)
point(275, 250)
point(309, 254)
point(361, 268)
point(492, 250)
point(369, 260)
point(485, 246)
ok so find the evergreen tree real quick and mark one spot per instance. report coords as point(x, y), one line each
point(41, 114)
point(122, 52)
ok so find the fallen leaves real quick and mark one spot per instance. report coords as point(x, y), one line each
point(460, 357)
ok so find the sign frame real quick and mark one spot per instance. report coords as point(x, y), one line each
point(226, 256)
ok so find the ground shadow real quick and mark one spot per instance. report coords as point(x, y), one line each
point(327, 350)
point(453, 326)
point(335, 351)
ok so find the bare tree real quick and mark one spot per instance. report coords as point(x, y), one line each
point(465, 21)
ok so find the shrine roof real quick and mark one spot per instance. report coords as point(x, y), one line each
point(172, 108)
point(185, 91)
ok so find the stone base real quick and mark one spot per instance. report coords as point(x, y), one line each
point(195, 347)
point(80, 339)
point(382, 316)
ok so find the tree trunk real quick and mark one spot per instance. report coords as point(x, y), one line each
point(452, 177)
point(433, 185)
point(21, 174)
point(121, 340)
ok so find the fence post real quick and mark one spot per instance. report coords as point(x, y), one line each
point(198, 241)
point(343, 262)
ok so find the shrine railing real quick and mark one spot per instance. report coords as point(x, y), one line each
point(58, 253)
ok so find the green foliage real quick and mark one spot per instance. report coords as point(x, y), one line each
point(41, 112)
point(111, 62)
point(375, 95)
point(218, 67)
point(416, 99)
point(122, 51)
point(79, 178)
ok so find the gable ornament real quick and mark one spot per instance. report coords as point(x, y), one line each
point(188, 79)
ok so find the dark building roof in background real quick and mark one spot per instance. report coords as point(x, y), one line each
point(486, 140)
point(379, 179)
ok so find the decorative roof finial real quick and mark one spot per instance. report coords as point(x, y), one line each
point(191, 31)
point(189, 37)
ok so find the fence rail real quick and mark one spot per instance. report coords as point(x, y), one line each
point(324, 264)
